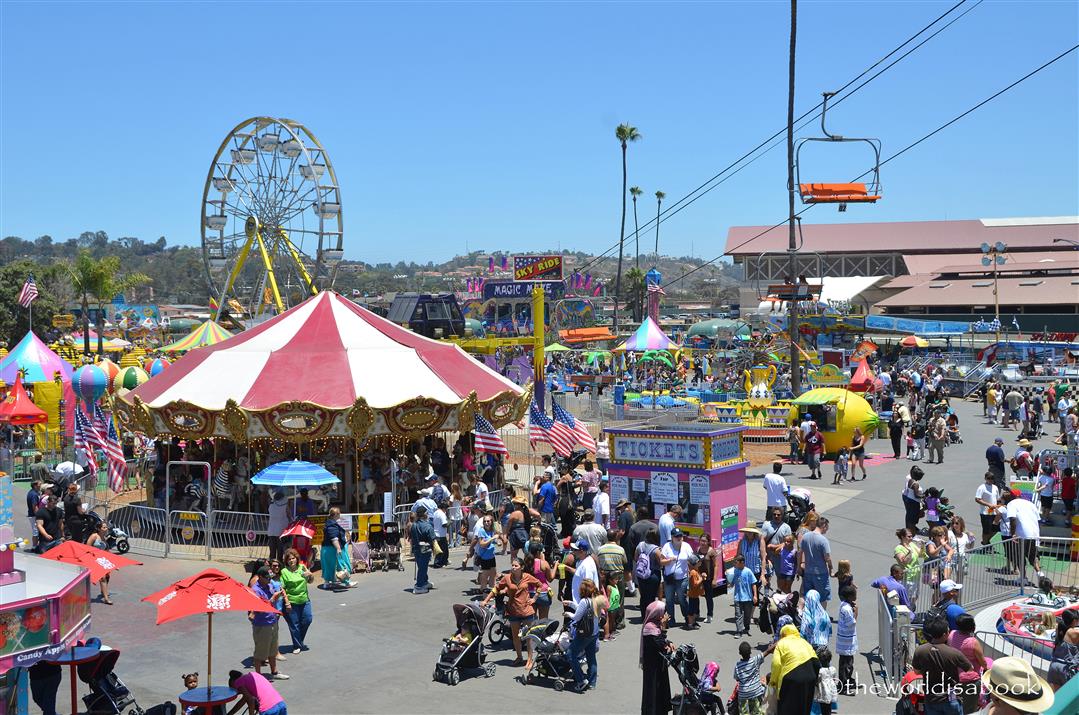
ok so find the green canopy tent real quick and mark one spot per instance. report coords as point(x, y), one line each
point(556, 348)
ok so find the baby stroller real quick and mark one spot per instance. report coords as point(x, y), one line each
point(391, 533)
point(550, 541)
point(800, 503)
point(108, 694)
point(464, 651)
point(376, 547)
point(693, 700)
point(549, 659)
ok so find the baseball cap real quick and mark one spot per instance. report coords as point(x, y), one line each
point(676, 532)
point(998, 440)
point(432, 477)
point(582, 545)
point(948, 585)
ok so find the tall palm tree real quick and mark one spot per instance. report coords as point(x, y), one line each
point(635, 293)
point(635, 191)
point(101, 280)
point(659, 202)
point(624, 133)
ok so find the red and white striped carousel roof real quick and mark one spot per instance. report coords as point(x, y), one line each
point(327, 351)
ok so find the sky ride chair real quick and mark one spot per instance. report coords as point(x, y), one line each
point(842, 193)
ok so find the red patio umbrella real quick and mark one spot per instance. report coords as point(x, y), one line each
point(302, 528)
point(209, 592)
point(99, 563)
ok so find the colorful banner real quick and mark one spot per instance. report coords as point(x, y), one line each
point(537, 268)
point(729, 527)
point(863, 350)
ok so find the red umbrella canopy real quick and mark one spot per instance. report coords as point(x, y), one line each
point(18, 409)
point(99, 563)
point(209, 591)
point(300, 528)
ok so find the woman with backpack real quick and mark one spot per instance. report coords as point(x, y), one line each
point(584, 637)
point(646, 568)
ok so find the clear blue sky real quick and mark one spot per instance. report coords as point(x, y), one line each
point(494, 123)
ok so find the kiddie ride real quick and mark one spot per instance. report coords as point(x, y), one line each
point(765, 417)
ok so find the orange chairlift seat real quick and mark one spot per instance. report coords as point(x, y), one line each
point(836, 194)
point(846, 193)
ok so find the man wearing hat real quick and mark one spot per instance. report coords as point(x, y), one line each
point(585, 569)
point(994, 458)
point(438, 493)
point(1015, 689)
point(949, 592)
point(1023, 460)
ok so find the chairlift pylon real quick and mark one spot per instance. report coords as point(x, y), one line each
point(838, 193)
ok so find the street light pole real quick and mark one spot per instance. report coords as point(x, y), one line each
point(995, 255)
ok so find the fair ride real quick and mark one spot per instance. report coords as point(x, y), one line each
point(272, 224)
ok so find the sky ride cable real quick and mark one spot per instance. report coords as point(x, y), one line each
point(896, 155)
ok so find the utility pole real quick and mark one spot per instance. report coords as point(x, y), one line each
point(792, 246)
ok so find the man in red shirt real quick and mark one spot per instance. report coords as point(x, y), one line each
point(814, 449)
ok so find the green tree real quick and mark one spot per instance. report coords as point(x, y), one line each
point(659, 202)
point(635, 293)
point(102, 280)
point(15, 319)
point(624, 133)
point(635, 191)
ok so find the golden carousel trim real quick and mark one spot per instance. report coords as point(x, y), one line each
point(301, 422)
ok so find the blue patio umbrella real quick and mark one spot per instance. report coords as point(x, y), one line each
point(294, 473)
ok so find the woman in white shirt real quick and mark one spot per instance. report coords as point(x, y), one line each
point(960, 540)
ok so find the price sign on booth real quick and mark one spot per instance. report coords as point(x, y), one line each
point(664, 487)
point(698, 489)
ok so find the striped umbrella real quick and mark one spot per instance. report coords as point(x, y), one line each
point(294, 473)
point(209, 333)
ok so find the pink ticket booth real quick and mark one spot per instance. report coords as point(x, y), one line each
point(701, 466)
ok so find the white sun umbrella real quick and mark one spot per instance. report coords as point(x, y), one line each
point(68, 469)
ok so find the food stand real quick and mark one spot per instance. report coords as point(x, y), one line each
point(700, 466)
point(44, 608)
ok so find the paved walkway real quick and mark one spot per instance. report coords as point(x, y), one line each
point(374, 647)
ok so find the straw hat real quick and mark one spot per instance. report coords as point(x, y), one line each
point(750, 530)
point(1014, 682)
point(518, 499)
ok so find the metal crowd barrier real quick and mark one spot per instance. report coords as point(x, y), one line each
point(1000, 645)
point(188, 535)
point(239, 535)
point(144, 526)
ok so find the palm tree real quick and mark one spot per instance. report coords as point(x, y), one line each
point(659, 202)
point(635, 293)
point(635, 191)
point(624, 133)
point(101, 280)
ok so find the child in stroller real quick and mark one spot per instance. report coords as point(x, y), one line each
point(464, 649)
point(700, 693)
point(548, 641)
point(800, 503)
point(108, 694)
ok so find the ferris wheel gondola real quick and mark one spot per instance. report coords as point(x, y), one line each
point(272, 222)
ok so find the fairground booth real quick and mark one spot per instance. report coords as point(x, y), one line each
point(700, 466)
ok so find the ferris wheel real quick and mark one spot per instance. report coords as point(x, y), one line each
point(272, 226)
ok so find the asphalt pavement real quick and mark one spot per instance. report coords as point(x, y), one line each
point(373, 648)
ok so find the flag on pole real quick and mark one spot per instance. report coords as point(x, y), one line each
point(580, 431)
point(85, 438)
point(487, 440)
point(110, 444)
point(28, 293)
point(656, 288)
point(542, 428)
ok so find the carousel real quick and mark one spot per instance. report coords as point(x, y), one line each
point(326, 378)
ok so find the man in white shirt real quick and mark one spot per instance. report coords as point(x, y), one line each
point(480, 490)
point(439, 521)
point(601, 505)
point(666, 523)
point(586, 568)
point(987, 497)
point(776, 487)
point(590, 531)
point(1022, 518)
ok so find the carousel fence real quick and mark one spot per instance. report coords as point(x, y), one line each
point(238, 535)
point(188, 534)
point(144, 526)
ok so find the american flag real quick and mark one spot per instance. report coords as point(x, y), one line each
point(487, 440)
point(28, 293)
point(86, 439)
point(542, 428)
point(580, 431)
point(656, 288)
point(110, 444)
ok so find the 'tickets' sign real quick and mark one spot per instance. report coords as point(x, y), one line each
point(537, 268)
point(631, 448)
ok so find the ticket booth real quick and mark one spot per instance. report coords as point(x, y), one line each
point(700, 466)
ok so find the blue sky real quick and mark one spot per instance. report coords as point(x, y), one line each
point(493, 124)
